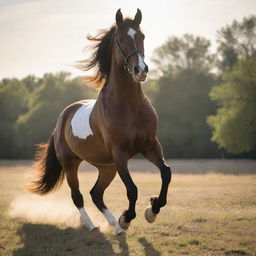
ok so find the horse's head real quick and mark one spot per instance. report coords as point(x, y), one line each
point(129, 42)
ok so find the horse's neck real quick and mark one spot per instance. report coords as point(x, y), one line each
point(123, 89)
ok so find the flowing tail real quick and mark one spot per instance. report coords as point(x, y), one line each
point(50, 174)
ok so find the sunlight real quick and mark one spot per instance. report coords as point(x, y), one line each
point(45, 36)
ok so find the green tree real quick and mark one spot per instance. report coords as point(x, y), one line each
point(13, 102)
point(182, 100)
point(188, 52)
point(182, 104)
point(32, 82)
point(236, 41)
point(234, 125)
point(45, 105)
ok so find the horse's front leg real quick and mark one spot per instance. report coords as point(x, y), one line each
point(121, 160)
point(154, 154)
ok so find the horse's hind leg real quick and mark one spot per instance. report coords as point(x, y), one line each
point(105, 177)
point(71, 167)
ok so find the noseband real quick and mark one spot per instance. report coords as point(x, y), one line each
point(126, 57)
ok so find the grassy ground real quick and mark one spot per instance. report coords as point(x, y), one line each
point(207, 214)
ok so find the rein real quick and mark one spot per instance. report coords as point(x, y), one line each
point(126, 57)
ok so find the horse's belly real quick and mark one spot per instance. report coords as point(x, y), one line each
point(92, 150)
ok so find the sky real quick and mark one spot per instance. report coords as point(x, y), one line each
point(39, 36)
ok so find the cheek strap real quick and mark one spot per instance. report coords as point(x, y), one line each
point(126, 57)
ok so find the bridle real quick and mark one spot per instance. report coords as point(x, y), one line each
point(126, 57)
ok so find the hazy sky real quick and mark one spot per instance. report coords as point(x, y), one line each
point(38, 36)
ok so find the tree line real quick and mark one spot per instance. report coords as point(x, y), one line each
point(206, 102)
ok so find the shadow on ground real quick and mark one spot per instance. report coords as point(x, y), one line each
point(41, 239)
point(50, 240)
point(148, 248)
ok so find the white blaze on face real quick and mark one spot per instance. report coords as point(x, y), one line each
point(131, 32)
point(80, 121)
point(141, 63)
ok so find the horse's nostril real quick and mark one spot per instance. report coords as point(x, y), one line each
point(136, 70)
point(146, 69)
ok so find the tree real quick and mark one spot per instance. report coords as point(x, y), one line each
point(188, 52)
point(13, 102)
point(45, 104)
point(236, 41)
point(32, 82)
point(234, 125)
point(182, 101)
point(182, 105)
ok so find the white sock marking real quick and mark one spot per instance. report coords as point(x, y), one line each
point(112, 220)
point(80, 121)
point(86, 219)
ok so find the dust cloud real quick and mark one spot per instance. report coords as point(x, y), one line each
point(51, 209)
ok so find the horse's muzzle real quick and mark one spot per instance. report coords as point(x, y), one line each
point(140, 74)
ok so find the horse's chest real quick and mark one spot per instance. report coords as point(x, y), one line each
point(135, 135)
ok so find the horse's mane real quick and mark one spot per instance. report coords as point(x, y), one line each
point(101, 55)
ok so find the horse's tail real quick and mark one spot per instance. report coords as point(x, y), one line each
point(49, 170)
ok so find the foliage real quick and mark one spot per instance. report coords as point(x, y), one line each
point(13, 102)
point(182, 100)
point(188, 52)
point(234, 125)
point(29, 109)
point(182, 104)
point(236, 41)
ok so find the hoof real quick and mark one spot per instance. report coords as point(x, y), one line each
point(119, 230)
point(123, 224)
point(88, 226)
point(94, 229)
point(149, 215)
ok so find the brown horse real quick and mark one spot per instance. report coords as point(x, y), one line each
point(109, 131)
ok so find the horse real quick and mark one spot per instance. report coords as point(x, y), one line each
point(109, 131)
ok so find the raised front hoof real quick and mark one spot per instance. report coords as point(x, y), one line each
point(123, 224)
point(149, 215)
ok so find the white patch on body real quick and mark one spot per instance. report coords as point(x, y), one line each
point(112, 220)
point(86, 219)
point(80, 122)
point(131, 32)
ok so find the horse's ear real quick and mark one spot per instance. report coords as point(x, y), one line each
point(119, 18)
point(138, 17)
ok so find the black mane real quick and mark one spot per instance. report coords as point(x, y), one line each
point(101, 55)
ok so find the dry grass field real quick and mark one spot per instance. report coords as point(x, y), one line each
point(207, 214)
